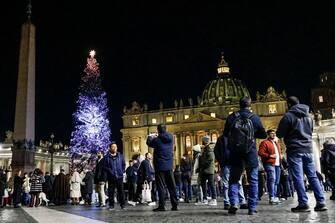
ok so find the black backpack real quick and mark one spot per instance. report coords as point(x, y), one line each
point(241, 134)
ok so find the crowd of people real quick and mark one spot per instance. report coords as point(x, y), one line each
point(232, 168)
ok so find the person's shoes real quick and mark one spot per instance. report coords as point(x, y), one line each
point(159, 209)
point(332, 197)
point(181, 200)
point(152, 203)
point(299, 208)
point(123, 208)
point(320, 207)
point(274, 201)
point(99, 205)
point(244, 206)
point(226, 207)
point(204, 202)
point(175, 208)
point(111, 208)
point(212, 202)
point(187, 201)
point(232, 209)
point(252, 212)
point(132, 203)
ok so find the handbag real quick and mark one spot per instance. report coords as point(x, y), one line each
point(146, 192)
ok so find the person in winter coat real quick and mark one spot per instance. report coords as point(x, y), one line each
point(17, 189)
point(75, 182)
point(196, 179)
point(244, 160)
point(47, 186)
point(114, 165)
point(296, 127)
point(270, 152)
point(132, 177)
point(61, 188)
point(328, 163)
point(88, 180)
point(100, 180)
point(36, 181)
point(26, 189)
point(163, 164)
point(146, 173)
point(186, 171)
point(207, 168)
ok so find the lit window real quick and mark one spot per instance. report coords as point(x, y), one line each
point(213, 114)
point(214, 137)
point(272, 109)
point(136, 144)
point(320, 99)
point(186, 116)
point(188, 141)
point(169, 118)
point(153, 121)
point(136, 121)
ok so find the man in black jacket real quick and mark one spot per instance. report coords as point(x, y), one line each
point(100, 180)
point(163, 161)
point(114, 165)
point(328, 163)
point(296, 127)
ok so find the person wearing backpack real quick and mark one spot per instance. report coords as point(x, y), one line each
point(296, 127)
point(241, 129)
point(328, 163)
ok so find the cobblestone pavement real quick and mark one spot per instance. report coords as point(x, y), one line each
point(188, 213)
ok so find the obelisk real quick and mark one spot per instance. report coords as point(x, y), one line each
point(24, 128)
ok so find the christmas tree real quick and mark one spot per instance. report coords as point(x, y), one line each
point(92, 132)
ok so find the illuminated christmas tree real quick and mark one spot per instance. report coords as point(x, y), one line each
point(91, 132)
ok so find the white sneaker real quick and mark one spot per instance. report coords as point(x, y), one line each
point(205, 202)
point(152, 203)
point(213, 202)
point(132, 203)
point(181, 200)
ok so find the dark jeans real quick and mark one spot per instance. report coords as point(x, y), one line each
point(187, 187)
point(117, 183)
point(88, 198)
point(166, 178)
point(210, 178)
point(132, 191)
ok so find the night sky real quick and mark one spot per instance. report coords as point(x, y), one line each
point(161, 52)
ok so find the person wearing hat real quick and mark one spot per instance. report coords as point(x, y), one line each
point(207, 167)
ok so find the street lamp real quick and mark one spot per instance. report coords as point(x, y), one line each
point(52, 148)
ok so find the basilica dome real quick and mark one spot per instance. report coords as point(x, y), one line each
point(225, 89)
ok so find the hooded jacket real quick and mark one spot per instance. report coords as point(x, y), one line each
point(296, 127)
point(163, 151)
point(328, 157)
point(207, 160)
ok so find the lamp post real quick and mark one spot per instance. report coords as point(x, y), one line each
point(51, 151)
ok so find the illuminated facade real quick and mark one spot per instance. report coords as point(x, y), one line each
point(190, 122)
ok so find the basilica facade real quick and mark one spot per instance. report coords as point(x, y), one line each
point(189, 122)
